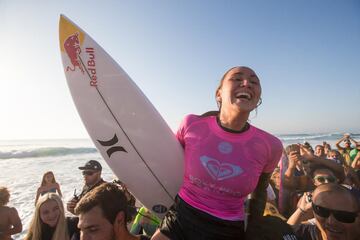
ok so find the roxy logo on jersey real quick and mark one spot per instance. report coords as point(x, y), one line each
point(220, 171)
point(225, 147)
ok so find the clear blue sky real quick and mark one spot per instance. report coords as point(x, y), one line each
point(306, 53)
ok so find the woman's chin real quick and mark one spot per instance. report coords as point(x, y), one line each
point(53, 223)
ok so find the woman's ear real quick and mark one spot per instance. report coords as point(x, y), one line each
point(218, 95)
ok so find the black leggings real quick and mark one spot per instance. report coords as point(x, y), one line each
point(184, 222)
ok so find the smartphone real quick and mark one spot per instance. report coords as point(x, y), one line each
point(294, 148)
point(309, 198)
point(76, 197)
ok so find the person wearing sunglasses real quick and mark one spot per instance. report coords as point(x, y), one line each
point(323, 174)
point(336, 210)
point(319, 174)
point(91, 172)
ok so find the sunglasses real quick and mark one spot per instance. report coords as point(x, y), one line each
point(323, 179)
point(87, 173)
point(341, 216)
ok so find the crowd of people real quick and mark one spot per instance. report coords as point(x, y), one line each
point(320, 192)
point(239, 183)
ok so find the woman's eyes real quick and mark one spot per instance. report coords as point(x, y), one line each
point(252, 81)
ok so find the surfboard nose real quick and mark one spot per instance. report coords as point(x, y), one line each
point(67, 29)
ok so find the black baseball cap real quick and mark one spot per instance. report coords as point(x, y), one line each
point(91, 165)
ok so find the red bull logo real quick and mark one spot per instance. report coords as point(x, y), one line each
point(73, 50)
point(91, 66)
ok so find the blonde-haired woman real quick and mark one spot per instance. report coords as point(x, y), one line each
point(49, 222)
point(48, 184)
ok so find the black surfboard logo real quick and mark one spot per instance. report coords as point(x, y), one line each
point(111, 143)
point(159, 209)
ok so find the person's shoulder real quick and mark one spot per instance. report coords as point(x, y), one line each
point(12, 209)
point(267, 136)
point(190, 119)
point(6, 209)
point(12, 212)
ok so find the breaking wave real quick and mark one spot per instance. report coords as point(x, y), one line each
point(321, 136)
point(45, 152)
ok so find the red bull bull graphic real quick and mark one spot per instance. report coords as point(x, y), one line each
point(73, 50)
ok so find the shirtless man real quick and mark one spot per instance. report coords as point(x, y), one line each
point(10, 222)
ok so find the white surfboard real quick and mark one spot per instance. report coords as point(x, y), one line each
point(130, 134)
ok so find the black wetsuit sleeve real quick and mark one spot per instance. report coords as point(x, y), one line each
point(257, 201)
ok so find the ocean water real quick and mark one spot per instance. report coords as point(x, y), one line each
point(23, 163)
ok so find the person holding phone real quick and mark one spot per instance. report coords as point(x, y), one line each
point(336, 211)
point(91, 172)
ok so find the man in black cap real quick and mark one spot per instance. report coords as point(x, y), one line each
point(92, 177)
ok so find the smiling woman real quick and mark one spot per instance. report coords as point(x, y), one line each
point(49, 222)
point(226, 159)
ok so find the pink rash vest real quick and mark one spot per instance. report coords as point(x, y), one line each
point(222, 168)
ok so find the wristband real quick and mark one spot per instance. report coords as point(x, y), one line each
point(302, 210)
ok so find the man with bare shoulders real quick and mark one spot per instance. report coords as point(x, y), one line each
point(10, 222)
